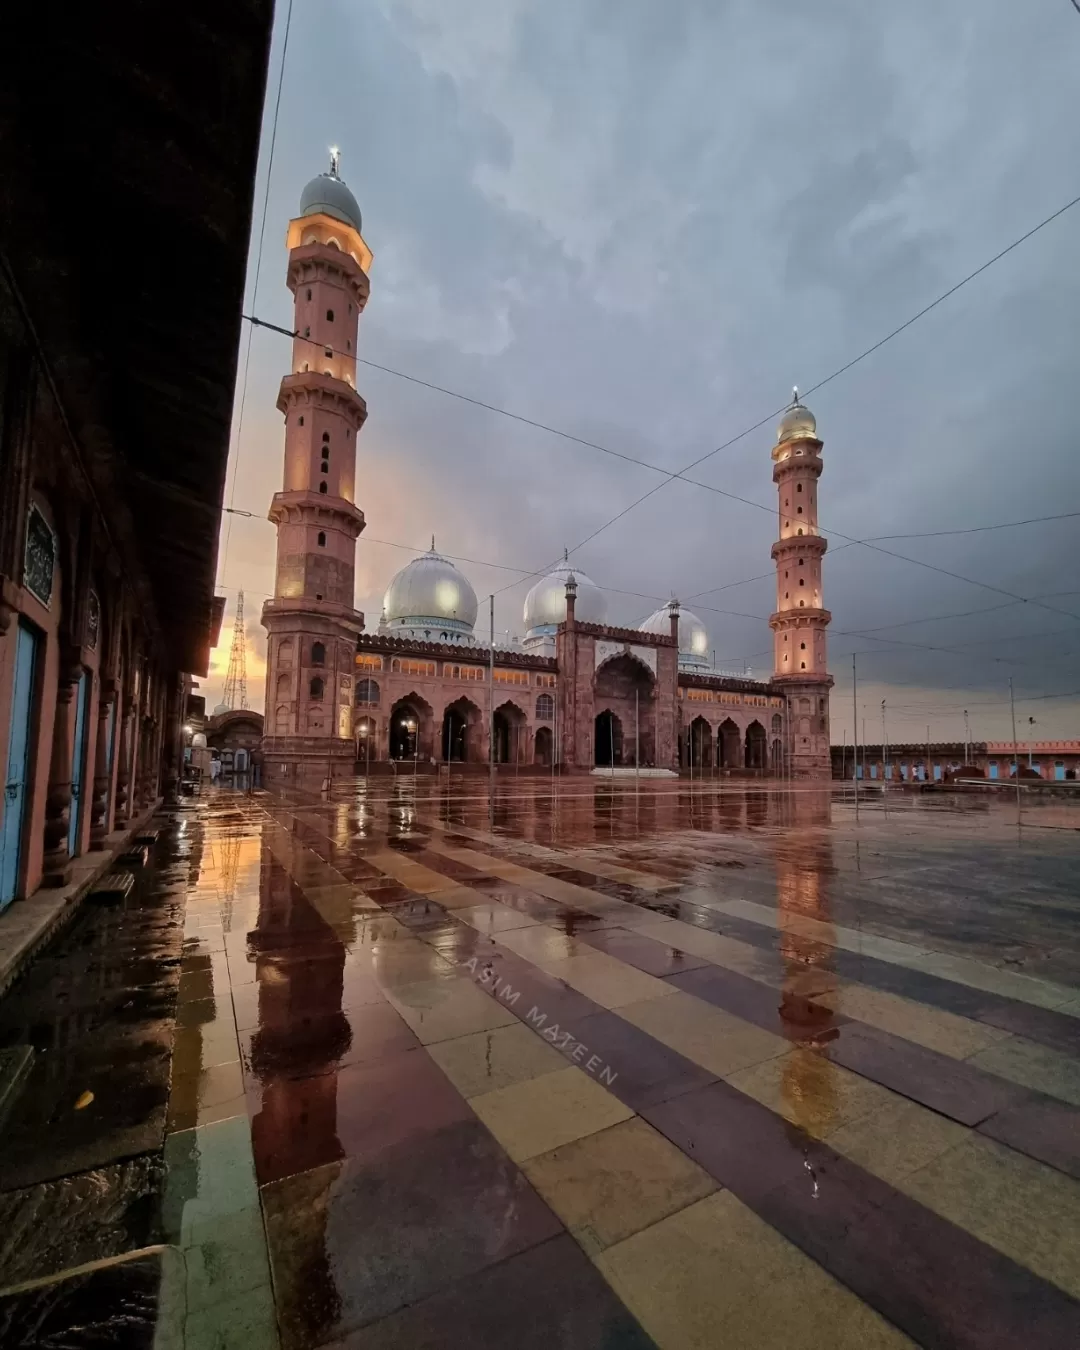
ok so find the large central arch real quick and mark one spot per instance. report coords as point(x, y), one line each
point(624, 688)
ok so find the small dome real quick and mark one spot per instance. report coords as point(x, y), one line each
point(693, 636)
point(327, 195)
point(430, 597)
point(545, 605)
point(797, 424)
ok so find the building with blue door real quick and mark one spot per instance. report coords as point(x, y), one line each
point(120, 318)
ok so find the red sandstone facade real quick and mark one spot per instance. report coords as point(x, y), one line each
point(422, 692)
point(311, 621)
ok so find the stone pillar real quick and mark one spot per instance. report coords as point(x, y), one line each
point(56, 861)
point(99, 806)
point(173, 730)
point(124, 766)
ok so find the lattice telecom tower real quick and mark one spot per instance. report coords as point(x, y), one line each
point(235, 695)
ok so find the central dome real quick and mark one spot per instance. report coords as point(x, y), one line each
point(327, 195)
point(431, 601)
point(545, 605)
point(693, 637)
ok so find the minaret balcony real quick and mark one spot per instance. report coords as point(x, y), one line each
point(796, 545)
point(800, 618)
point(310, 386)
point(305, 507)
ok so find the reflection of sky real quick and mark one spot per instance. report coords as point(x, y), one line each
point(753, 206)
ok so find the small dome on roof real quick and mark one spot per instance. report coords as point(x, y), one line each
point(693, 636)
point(797, 424)
point(327, 195)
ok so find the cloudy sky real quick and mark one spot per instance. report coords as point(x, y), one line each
point(642, 224)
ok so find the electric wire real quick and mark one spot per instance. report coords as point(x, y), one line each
point(255, 284)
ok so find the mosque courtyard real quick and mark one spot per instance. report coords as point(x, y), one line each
point(616, 1064)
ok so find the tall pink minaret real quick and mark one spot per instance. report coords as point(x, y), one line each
point(800, 620)
point(311, 621)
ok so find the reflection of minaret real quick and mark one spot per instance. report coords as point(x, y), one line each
point(803, 868)
point(800, 619)
point(302, 1033)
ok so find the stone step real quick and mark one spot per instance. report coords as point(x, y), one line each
point(112, 886)
point(147, 837)
point(15, 1063)
point(134, 857)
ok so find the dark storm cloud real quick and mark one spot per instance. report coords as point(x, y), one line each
point(644, 227)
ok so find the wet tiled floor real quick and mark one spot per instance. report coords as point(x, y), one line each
point(615, 1068)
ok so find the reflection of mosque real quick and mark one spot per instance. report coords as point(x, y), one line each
point(804, 865)
point(575, 691)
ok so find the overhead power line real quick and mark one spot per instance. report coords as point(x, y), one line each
point(669, 475)
point(255, 283)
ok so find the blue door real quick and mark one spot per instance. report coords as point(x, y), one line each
point(1059, 771)
point(937, 773)
point(78, 763)
point(993, 769)
point(18, 765)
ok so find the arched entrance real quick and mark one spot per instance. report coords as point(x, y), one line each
point(366, 744)
point(729, 745)
point(607, 739)
point(623, 687)
point(756, 746)
point(700, 743)
point(509, 734)
point(459, 742)
point(410, 729)
point(542, 746)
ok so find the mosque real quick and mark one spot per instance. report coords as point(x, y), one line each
point(423, 689)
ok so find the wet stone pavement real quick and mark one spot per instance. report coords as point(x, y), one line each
point(677, 1067)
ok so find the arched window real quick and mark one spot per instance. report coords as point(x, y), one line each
point(545, 708)
point(309, 292)
point(316, 687)
point(325, 468)
point(798, 510)
point(800, 529)
point(366, 692)
point(322, 487)
point(322, 539)
point(802, 646)
point(777, 724)
point(799, 488)
point(318, 654)
point(802, 562)
point(330, 319)
point(301, 419)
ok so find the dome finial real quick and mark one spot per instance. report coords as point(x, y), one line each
point(565, 554)
point(433, 543)
point(794, 395)
point(335, 160)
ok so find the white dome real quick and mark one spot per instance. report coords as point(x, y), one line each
point(545, 605)
point(430, 600)
point(327, 195)
point(694, 651)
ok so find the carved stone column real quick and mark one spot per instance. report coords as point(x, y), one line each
point(123, 768)
point(171, 753)
point(56, 862)
point(99, 806)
